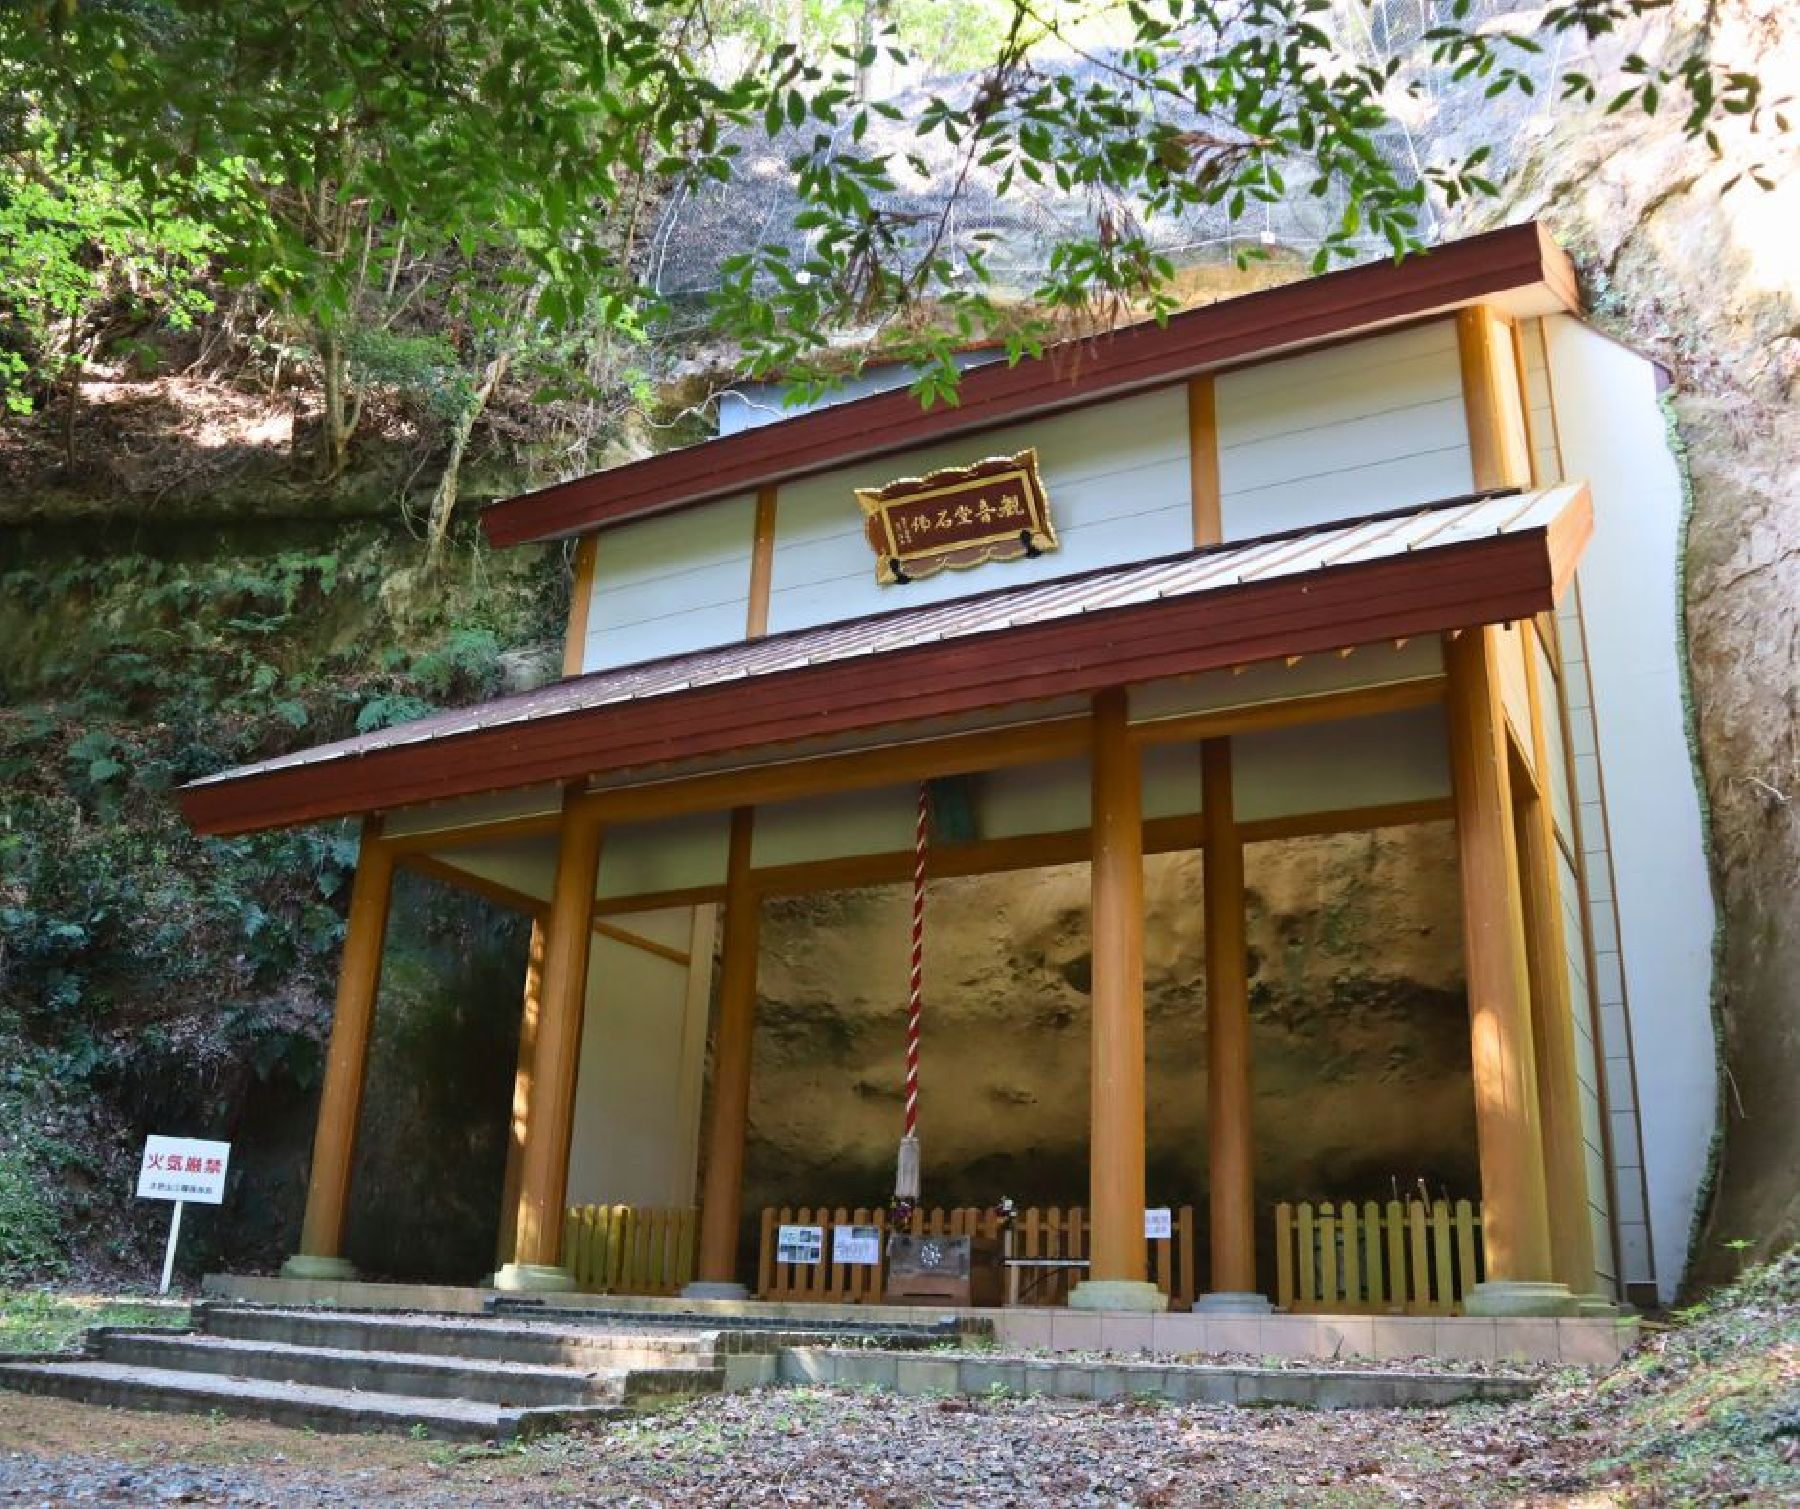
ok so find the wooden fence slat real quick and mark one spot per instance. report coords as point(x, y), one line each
point(1465, 1250)
point(1352, 1275)
point(1284, 1255)
point(1371, 1225)
point(1396, 1256)
point(1440, 1242)
point(1309, 1282)
point(1328, 1255)
point(1421, 1261)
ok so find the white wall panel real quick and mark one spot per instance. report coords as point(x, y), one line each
point(1117, 479)
point(1361, 428)
point(664, 586)
point(1613, 436)
point(635, 1126)
point(835, 825)
point(1034, 799)
point(670, 855)
point(1328, 767)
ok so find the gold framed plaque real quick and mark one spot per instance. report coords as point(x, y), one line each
point(958, 517)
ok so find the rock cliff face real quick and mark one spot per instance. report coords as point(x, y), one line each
point(1360, 1032)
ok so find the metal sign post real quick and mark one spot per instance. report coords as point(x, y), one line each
point(169, 1251)
point(181, 1169)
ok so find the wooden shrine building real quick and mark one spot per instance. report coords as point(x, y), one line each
point(1395, 544)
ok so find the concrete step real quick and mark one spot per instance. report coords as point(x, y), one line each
point(297, 1404)
point(509, 1384)
point(527, 1343)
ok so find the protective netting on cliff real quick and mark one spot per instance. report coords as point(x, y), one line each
point(1437, 119)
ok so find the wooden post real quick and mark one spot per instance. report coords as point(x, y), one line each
point(521, 1097)
point(1230, 1140)
point(1117, 1255)
point(722, 1192)
point(1516, 1228)
point(1499, 447)
point(556, 1058)
point(1553, 1021)
point(346, 1064)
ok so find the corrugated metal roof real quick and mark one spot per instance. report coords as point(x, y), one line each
point(1411, 532)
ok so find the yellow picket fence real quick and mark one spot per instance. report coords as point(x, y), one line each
point(1397, 1258)
point(1042, 1235)
point(629, 1249)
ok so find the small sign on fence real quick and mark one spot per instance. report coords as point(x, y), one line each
point(857, 1245)
point(800, 1244)
point(1159, 1224)
point(181, 1169)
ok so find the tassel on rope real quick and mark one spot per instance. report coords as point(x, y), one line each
point(906, 1168)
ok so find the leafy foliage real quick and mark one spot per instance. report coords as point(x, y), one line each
point(167, 976)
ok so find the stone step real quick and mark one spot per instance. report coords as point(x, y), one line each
point(296, 1404)
point(509, 1384)
point(531, 1344)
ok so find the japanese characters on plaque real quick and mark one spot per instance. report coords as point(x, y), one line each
point(183, 1168)
point(994, 510)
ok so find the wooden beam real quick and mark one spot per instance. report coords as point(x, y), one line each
point(581, 602)
point(722, 1195)
point(886, 765)
point(1499, 451)
point(1230, 1141)
point(639, 941)
point(346, 1058)
point(1516, 1229)
point(556, 1060)
point(475, 885)
point(762, 564)
point(1116, 1156)
point(1203, 462)
point(1029, 851)
point(534, 825)
point(1290, 712)
point(1429, 809)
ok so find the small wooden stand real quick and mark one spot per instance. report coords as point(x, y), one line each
point(963, 1271)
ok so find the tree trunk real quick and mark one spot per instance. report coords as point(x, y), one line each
point(341, 409)
point(443, 500)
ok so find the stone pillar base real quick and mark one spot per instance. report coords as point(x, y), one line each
point(535, 1278)
point(1597, 1304)
point(305, 1265)
point(702, 1288)
point(1505, 1298)
point(1117, 1294)
point(1232, 1302)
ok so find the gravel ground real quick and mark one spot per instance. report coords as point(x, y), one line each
point(804, 1447)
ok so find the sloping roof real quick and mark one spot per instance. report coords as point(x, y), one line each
point(1471, 561)
point(1518, 259)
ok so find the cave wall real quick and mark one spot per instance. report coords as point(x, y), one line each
point(1359, 1032)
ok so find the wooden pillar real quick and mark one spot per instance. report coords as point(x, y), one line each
point(556, 1059)
point(1553, 1021)
point(1117, 1254)
point(521, 1096)
point(346, 1064)
point(722, 1192)
point(1499, 445)
point(1230, 1143)
point(1516, 1230)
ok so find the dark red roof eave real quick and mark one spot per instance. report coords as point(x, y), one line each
point(1137, 358)
point(1491, 580)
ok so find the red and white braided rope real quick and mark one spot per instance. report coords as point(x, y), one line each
point(915, 1005)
